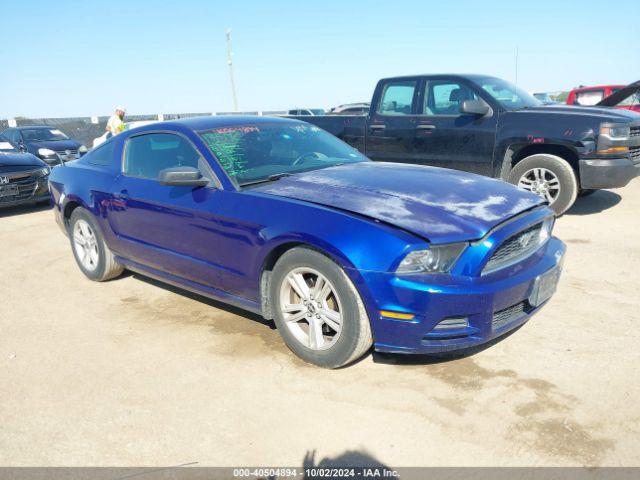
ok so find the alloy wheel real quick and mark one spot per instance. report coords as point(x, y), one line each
point(311, 308)
point(542, 182)
point(86, 245)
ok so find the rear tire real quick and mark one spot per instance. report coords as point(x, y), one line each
point(91, 252)
point(550, 177)
point(329, 305)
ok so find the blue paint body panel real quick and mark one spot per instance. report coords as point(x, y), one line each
point(366, 216)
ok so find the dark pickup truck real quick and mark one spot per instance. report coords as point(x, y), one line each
point(486, 125)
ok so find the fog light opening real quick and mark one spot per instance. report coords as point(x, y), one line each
point(452, 323)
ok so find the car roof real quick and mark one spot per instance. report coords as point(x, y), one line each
point(596, 87)
point(462, 76)
point(218, 121)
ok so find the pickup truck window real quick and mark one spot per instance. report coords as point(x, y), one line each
point(397, 98)
point(508, 95)
point(445, 97)
point(589, 98)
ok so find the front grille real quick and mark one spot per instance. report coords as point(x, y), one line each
point(507, 315)
point(27, 185)
point(68, 155)
point(634, 154)
point(635, 131)
point(515, 248)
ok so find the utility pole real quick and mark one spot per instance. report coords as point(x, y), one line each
point(230, 63)
point(516, 65)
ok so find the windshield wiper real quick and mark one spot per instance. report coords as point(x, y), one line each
point(270, 178)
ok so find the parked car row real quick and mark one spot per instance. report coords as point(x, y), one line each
point(27, 155)
point(280, 217)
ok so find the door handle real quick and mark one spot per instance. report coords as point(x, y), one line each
point(426, 126)
point(377, 127)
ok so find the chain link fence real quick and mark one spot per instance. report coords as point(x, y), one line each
point(85, 129)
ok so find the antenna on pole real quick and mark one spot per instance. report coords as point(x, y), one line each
point(516, 65)
point(230, 63)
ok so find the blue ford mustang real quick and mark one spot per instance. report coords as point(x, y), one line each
point(280, 218)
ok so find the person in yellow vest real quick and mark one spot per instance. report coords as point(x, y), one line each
point(115, 125)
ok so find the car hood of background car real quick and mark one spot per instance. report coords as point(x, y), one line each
point(440, 205)
point(56, 145)
point(20, 159)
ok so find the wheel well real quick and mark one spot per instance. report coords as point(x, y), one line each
point(561, 151)
point(265, 277)
point(68, 210)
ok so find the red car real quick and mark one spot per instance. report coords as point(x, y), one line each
point(618, 96)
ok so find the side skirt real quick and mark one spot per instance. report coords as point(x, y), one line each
point(193, 287)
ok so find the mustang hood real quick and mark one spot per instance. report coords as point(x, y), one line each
point(438, 204)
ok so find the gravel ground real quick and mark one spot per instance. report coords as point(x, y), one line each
point(132, 372)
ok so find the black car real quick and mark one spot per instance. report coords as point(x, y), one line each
point(47, 143)
point(24, 178)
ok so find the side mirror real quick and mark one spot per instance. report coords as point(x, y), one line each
point(474, 107)
point(182, 177)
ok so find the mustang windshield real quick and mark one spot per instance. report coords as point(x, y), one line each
point(507, 94)
point(261, 153)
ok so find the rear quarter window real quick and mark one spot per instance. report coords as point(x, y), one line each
point(101, 156)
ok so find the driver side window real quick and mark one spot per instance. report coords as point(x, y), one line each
point(445, 98)
point(145, 156)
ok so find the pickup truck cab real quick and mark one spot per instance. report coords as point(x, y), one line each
point(485, 125)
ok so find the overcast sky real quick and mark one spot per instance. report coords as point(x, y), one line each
point(68, 58)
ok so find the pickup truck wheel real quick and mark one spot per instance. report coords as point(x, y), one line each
point(92, 254)
point(317, 310)
point(549, 176)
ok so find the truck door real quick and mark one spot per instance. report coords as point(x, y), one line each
point(392, 121)
point(444, 137)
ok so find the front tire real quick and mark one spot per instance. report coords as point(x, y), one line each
point(91, 252)
point(550, 177)
point(317, 310)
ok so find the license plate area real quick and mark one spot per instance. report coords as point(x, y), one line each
point(545, 286)
point(8, 191)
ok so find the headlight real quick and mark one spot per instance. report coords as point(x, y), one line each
point(436, 259)
point(45, 152)
point(547, 228)
point(617, 133)
point(83, 149)
point(43, 172)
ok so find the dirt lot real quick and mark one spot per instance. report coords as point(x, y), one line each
point(131, 372)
